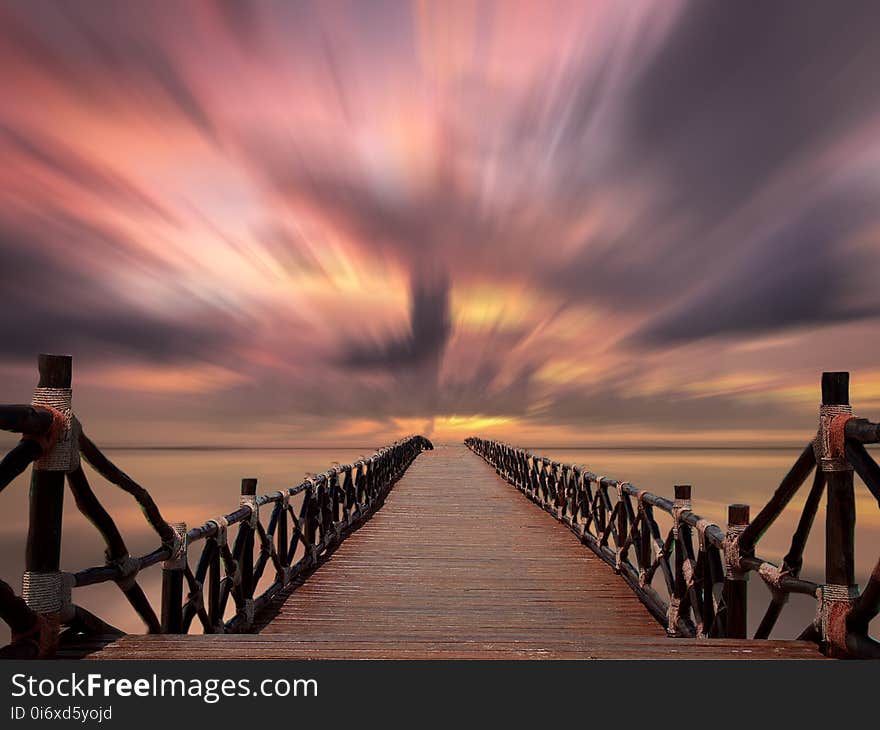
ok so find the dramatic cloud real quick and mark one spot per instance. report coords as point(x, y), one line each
point(804, 273)
point(739, 91)
point(422, 345)
point(567, 222)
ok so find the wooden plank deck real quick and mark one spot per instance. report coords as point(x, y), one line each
point(456, 564)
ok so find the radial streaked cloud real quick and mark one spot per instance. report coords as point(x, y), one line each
point(567, 222)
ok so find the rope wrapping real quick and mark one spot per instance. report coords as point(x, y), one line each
point(222, 524)
point(128, 568)
point(672, 616)
point(250, 501)
point(177, 559)
point(687, 569)
point(46, 593)
point(619, 557)
point(702, 525)
point(772, 576)
point(732, 556)
point(678, 507)
point(830, 441)
point(834, 603)
point(64, 453)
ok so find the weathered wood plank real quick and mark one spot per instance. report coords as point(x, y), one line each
point(290, 646)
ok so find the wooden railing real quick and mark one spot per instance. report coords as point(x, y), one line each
point(286, 541)
point(704, 569)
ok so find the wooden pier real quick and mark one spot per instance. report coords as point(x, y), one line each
point(456, 566)
point(480, 552)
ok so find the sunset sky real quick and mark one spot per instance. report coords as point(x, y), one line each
point(291, 223)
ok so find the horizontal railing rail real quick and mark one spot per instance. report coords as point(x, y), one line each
point(704, 568)
point(270, 533)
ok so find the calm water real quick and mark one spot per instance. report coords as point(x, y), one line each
point(196, 485)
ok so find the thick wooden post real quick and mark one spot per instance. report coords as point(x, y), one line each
point(248, 497)
point(736, 584)
point(246, 533)
point(622, 521)
point(172, 583)
point(646, 539)
point(682, 502)
point(840, 521)
point(43, 551)
point(282, 544)
point(214, 579)
point(335, 503)
point(42, 583)
point(307, 518)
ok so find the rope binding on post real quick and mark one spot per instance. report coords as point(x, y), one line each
point(222, 524)
point(672, 616)
point(830, 443)
point(834, 603)
point(679, 507)
point(643, 515)
point(250, 501)
point(618, 555)
point(772, 576)
point(732, 554)
point(60, 444)
point(283, 498)
point(177, 559)
point(128, 569)
point(49, 593)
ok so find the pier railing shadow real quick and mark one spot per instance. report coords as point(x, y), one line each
point(693, 577)
point(270, 534)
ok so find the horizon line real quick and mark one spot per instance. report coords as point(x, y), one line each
point(638, 447)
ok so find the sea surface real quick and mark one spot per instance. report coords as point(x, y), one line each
point(194, 485)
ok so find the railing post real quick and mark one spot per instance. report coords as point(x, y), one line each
point(246, 562)
point(622, 519)
point(43, 586)
point(840, 519)
point(736, 584)
point(214, 613)
point(307, 517)
point(282, 544)
point(335, 515)
point(680, 588)
point(173, 570)
point(839, 591)
point(646, 539)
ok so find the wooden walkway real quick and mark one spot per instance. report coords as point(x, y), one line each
point(456, 564)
